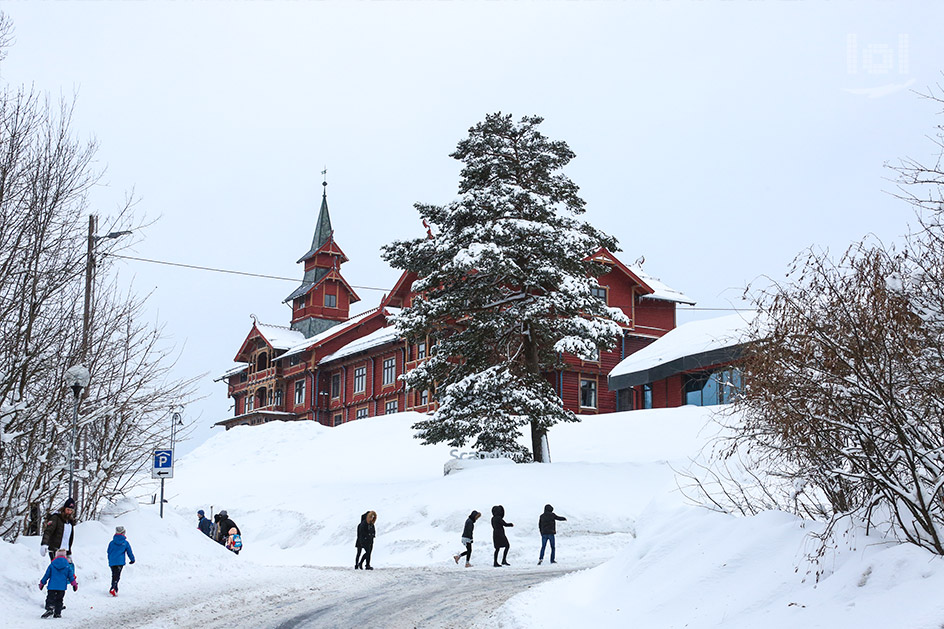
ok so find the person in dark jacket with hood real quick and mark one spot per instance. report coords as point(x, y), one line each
point(365, 540)
point(118, 547)
point(204, 524)
point(498, 535)
point(59, 574)
point(467, 538)
point(547, 525)
point(59, 531)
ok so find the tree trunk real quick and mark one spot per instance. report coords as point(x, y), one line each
point(538, 439)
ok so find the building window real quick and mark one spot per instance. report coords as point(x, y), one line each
point(424, 398)
point(278, 397)
point(300, 303)
point(389, 370)
point(588, 393)
point(647, 396)
point(338, 419)
point(391, 407)
point(336, 385)
point(360, 379)
point(299, 392)
point(712, 388)
point(331, 301)
point(294, 359)
point(599, 292)
point(361, 413)
point(249, 399)
point(420, 351)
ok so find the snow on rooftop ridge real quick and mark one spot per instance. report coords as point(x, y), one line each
point(311, 342)
point(661, 290)
point(374, 339)
point(694, 337)
point(278, 336)
point(232, 371)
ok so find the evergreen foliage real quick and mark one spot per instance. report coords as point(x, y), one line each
point(504, 288)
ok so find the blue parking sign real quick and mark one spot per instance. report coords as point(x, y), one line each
point(163, 466)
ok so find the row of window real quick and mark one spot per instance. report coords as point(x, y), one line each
point(712, 388)
point(390, 408)
point(330, 301)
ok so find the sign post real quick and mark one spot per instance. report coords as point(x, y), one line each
point(163, 468)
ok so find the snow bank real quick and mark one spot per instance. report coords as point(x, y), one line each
point(297, 491)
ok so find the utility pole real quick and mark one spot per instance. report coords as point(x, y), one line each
point(89, 271)
point(86, 331)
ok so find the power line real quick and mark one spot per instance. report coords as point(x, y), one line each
point(295, 279)
point(229, 271)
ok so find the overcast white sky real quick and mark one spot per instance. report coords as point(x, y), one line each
point(717, 139)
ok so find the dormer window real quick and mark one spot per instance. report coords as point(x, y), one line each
point(599, 292)
point(331, 301)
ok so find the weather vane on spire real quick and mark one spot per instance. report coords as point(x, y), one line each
point(324, 173)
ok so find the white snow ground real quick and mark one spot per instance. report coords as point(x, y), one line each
point(632, 552)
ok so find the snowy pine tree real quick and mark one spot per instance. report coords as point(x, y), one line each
point(504, 288)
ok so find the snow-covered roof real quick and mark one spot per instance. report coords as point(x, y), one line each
point(311, 342)
point(374, 339)
point(232, 371)
point(661, 291)
point(280, 337)
point(690, 345)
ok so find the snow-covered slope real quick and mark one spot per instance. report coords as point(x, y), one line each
point(297, 491)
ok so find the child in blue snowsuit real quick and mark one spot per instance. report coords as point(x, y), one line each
point(118, 547)
point(59, 574)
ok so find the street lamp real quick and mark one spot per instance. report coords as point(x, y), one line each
point(77, 378)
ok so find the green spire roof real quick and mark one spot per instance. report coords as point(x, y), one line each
point(322, 229)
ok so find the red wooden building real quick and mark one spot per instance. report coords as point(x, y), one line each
point(331, 367)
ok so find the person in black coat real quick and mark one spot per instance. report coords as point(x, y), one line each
point(547, 525)
point(226, 529)
point(498, 535)
point(59, 532)
point(365, 540)
point(467, 538)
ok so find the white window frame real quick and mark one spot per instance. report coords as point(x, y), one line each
point(389, 370)
point(360, 373)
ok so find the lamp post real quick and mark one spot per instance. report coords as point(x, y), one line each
point(77, 378)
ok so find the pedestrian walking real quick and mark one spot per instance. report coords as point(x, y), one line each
point(59, 574)
point(547, 525)
point(217, 535)
point(204, 524)
point(118, 547)
point(365, 540)
point(232, 538)
point(467, 531)
point(498, 535)
point(59, 531)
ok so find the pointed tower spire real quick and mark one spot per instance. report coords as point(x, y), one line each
point(324, 297)
point(323, 231)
